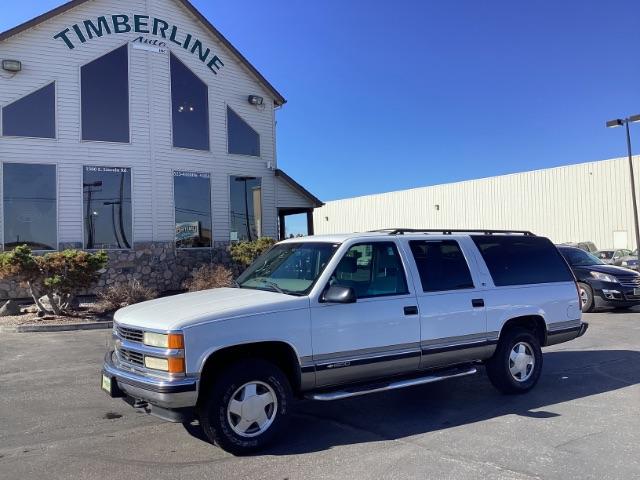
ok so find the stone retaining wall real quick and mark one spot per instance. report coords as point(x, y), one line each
point(156, 265)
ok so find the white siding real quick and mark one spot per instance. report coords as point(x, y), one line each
point(588, 201)
point(288, 197)
point(150, 153)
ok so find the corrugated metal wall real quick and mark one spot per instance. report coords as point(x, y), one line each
point(588, 201)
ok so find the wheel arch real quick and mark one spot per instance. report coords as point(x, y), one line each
point(280, 353)
point(533, 323)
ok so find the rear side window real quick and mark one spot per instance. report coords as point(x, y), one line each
point(520, 260)
point(441, 265)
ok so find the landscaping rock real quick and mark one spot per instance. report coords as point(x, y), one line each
point(10, 308)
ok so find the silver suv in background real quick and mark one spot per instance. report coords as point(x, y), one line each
point(612, 257)
point(629, 261)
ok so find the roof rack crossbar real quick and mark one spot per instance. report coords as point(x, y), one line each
point(450, 231)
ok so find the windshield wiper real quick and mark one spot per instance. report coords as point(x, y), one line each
point(273, 285)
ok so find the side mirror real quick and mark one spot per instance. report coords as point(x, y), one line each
point(339, 294)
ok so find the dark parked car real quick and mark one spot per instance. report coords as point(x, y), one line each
point(602, 284)
point(586, 246)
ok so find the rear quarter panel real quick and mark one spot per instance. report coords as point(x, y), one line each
point(556, 303)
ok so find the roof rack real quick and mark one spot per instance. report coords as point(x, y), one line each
point(450, 231)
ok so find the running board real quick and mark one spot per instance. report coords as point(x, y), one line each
point(391, 385)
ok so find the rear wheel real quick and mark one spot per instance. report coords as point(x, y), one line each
point(586, 297)
point(517, 362)
point(247, 406)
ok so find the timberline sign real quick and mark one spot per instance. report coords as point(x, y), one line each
point(143, 24)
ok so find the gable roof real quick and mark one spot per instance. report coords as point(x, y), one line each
point(278, 98)
point(317, 203)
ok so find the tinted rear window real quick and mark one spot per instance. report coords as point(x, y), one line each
point(520, 260)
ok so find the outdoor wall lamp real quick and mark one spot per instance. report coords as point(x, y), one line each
point(13, 66)
point(255, 100)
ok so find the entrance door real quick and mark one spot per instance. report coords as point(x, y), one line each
point(452, 313)
point(379, 334)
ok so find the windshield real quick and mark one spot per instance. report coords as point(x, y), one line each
point(604, 254)
point(290, 268)
point(579, 258)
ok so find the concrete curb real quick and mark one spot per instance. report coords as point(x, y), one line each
point(56, 328)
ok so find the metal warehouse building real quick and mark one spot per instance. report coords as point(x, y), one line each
point(588, 201)
point(135, 126)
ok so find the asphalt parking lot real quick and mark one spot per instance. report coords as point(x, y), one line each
point(581, 421)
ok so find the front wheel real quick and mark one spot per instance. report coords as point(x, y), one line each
point(586, 297)
point(247, 407)
point(517, 362)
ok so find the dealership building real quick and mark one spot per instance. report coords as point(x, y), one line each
point(584, 202)
point(134, 126)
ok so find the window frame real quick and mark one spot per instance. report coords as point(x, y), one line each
point(226, 125)
point(209, 109)
point(398, 251)
point(173, 196)
point(55, 114)
point(229, 201)
point(133, 215)
point(129, 98)
point(421, 290)
point(57, 185)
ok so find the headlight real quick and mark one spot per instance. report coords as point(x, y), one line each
point(157, 363)
point(624, 263)
point(604, 277)
point(163, 340)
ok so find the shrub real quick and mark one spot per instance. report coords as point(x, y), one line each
point(244, 253)
point(209, 276)
point(59, 276)
point(123, 294)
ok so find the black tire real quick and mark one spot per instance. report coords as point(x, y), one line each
point(587, 302)
point(498, 366)
point(217, 422)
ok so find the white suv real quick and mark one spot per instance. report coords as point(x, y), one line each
point(330, 317)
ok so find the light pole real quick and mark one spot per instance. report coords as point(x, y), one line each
point(618, 122)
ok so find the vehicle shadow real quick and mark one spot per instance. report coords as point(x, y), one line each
point(567, 375)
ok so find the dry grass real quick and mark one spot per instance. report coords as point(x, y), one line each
point(123, 294)
point(209, 276)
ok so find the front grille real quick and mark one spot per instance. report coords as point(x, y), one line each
point(131, 334)
point(629, 280)
point(130, 356)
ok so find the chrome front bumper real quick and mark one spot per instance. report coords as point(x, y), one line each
point(165, 393)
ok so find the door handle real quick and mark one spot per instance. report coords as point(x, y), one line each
point(411, 310)
point(477, 302)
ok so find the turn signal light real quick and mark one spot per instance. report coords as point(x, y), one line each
point(176, 365)
point(176, 341)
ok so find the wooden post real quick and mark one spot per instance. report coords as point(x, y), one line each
point(281, 225)
point(309, 222)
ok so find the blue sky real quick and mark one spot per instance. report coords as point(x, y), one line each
point(385, 95)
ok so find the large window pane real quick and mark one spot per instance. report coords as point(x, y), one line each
point(107, 207)
point(441, 265)
point(243, 139)
point(32, 116)
point(29, 206)
point(190, 108)
point(105, 97)
point(246, 208)
point(192, 198)
point(520, 260)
